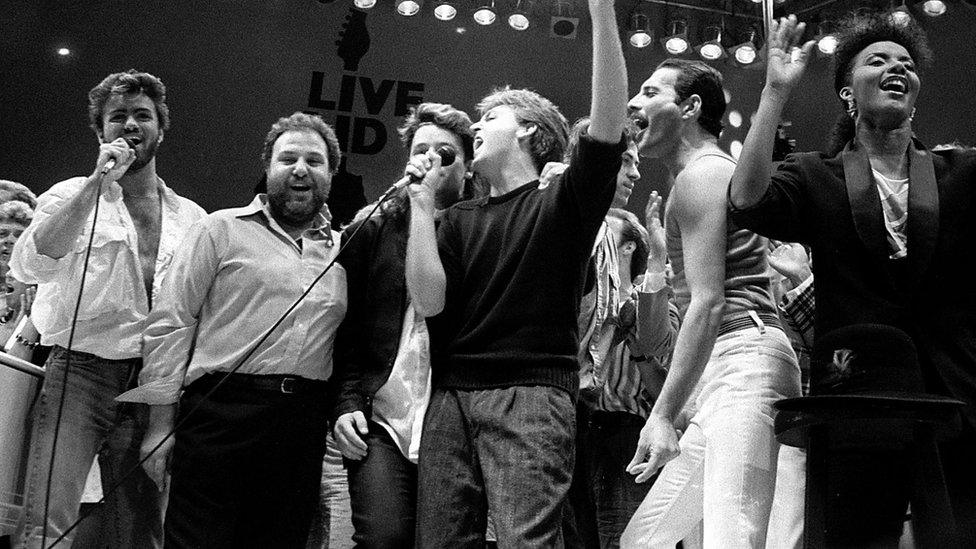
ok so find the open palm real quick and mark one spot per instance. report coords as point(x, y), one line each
point(786, 59)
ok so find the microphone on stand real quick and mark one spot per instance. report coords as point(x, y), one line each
point(447, 154)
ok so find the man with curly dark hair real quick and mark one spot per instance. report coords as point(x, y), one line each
point(891, 226)
point(140, 223)
point(382, 370)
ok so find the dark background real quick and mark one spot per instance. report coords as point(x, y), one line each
point(233, 67)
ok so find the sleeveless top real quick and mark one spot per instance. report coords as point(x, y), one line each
point(747, 282)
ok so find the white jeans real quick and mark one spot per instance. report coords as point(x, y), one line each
point(726, 472)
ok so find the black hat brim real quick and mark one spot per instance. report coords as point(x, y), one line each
point(874, 418)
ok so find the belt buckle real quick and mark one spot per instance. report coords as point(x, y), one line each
point(288, 385)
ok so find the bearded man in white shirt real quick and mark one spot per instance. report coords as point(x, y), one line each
point(247, 454)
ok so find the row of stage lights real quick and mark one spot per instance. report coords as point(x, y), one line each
point(747, 52)
point(446, 10)
point(640, 33)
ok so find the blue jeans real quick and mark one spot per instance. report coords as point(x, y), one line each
point(92, 423)
point(506, 451)
point(383, 492)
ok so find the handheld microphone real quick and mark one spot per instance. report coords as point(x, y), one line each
point(111, 161)
point(447, 154)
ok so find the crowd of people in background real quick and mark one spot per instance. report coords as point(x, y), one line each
point(497, 352)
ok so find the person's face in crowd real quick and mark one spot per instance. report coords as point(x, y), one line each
point(627, 176)
point(132, 117)
point(298, 177)
point(9, 233)
point(498, 136)
point(656, 110)
point(14, 290)
point(884, 84)
point(432, 137)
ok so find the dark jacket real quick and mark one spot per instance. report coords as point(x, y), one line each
point(832, 204)
point(367, 340)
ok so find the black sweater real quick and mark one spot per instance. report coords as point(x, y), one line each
point(515, 266)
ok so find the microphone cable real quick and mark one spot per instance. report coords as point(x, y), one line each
point(67, 367)
point(225, 375)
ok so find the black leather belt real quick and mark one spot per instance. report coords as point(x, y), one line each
point(274, 383)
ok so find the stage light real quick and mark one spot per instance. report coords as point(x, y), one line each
point(64, 52)
point(408, 7)
point(562, 24)
point(711, 49)
point(364, 4)
point(746, 52)
point(899, 14)
point(519, 20)
point(445, 11)
point(677, 42)
point(485, 14)
point(735, 118)
point(826, 39)
point(934, 8)
point(640, 30)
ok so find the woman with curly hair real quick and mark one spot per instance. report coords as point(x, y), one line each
point(891, 225)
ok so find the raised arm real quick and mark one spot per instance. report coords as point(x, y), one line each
point(608, 107)
point(657, 318)
point(55, 236)
point(784, 68)
point(426, 282)
point(699, 203)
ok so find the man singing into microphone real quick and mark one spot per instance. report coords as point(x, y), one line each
point(139, 224)
point(499, 433)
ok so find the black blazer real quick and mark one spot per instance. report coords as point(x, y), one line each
point(368, 338)
point(832, 205)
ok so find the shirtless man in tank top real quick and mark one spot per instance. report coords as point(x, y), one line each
point(731, 358)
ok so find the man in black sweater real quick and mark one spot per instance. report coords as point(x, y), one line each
point(499, 433)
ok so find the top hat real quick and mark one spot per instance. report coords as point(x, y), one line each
point(863, 376)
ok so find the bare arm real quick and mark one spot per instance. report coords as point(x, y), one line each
point(700, 209)
point(426, 281)
point(784, 69)
point(657, 327)
point(608, 106)
point(55, 236)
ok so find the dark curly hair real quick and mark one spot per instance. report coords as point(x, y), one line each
point(301, 121)
point(125, 83)
point(858, 31)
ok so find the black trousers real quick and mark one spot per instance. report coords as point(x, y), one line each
point(246, 467)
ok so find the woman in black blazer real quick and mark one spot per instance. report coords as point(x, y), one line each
point(891, 226)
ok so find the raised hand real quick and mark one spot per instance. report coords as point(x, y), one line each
point(427, 168)
point(658, 252)
point(791, 261)
point(787, 60)
point(121, 153)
